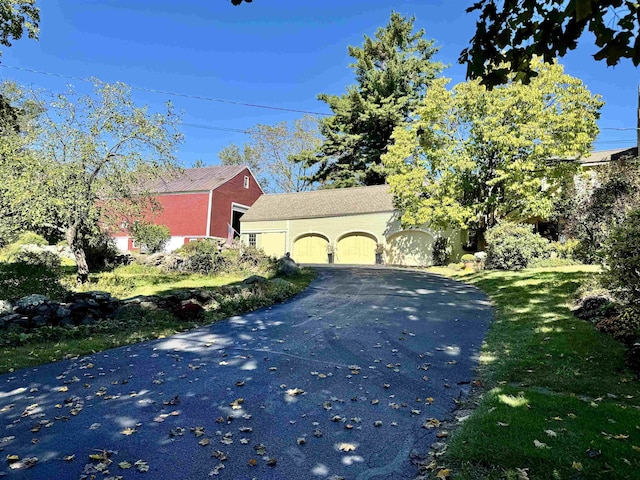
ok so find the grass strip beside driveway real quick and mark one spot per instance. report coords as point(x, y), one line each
point(558, 401)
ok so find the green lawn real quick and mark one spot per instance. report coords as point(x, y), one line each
point(557, 399)
point(132, 280)
point(48, 344)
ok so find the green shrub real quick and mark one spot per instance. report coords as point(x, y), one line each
point(468, 257)
point(206, 257)
point(101, 252)
point(551, 262)
point(567, 249)
point(512, 246)
point(37, 256)
point(622, 260)
point(27, 238)
point(153, 237)
point(624, 327)
point(441, 251)
point(206, 245)
point(30, 238)
point(21, 279)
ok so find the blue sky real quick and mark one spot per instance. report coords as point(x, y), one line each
point(280, 53)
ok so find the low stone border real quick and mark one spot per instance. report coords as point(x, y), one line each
point(89, 308)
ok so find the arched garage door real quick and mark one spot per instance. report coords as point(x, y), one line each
point(356, 248)
point(412, 248)
point(311, 248)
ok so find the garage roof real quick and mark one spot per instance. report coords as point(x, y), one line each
point(321, 203)
point(603, 157)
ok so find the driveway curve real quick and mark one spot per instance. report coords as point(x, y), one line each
point(336, 383)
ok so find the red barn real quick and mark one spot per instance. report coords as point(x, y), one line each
point(201, 203)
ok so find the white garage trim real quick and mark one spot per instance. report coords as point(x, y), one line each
point(355, 232)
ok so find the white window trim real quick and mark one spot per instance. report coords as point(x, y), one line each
point(209, 211)
point(237, 207)
point(246, 181)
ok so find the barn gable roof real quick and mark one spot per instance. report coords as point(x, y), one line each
point(195, 179)
point(321, 203)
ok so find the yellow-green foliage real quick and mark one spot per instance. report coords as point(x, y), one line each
point(473, 155)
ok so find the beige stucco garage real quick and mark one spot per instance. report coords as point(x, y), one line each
point(350, 223)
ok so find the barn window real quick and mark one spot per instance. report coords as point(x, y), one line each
point(253, 239)
point(246, 181)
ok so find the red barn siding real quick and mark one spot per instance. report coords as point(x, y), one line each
point(232, 191)
point(184, 213)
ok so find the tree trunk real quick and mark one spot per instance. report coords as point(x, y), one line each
point(75, 244)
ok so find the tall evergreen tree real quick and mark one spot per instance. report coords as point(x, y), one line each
point(392, 72)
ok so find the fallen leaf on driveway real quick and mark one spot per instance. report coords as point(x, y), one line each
point(431, 423)
point(219, 455)
point(25, 463)
point(292, 392)
point(346, 447)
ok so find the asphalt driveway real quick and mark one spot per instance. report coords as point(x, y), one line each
point(336, 383)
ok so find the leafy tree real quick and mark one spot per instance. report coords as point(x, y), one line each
point(83, 159)
point(509, 33)
point(622, 260)
point(16, 16)
point(597, 202)
point(475, 156)
point(247, 155)
point(272, 154)
point(153, 237)
point(392, 72)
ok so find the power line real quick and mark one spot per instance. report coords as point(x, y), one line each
point(172, 94)
point(211, 127)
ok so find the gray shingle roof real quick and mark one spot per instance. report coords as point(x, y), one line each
point(604, 156)
point(195, 179)
point(321, 203)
